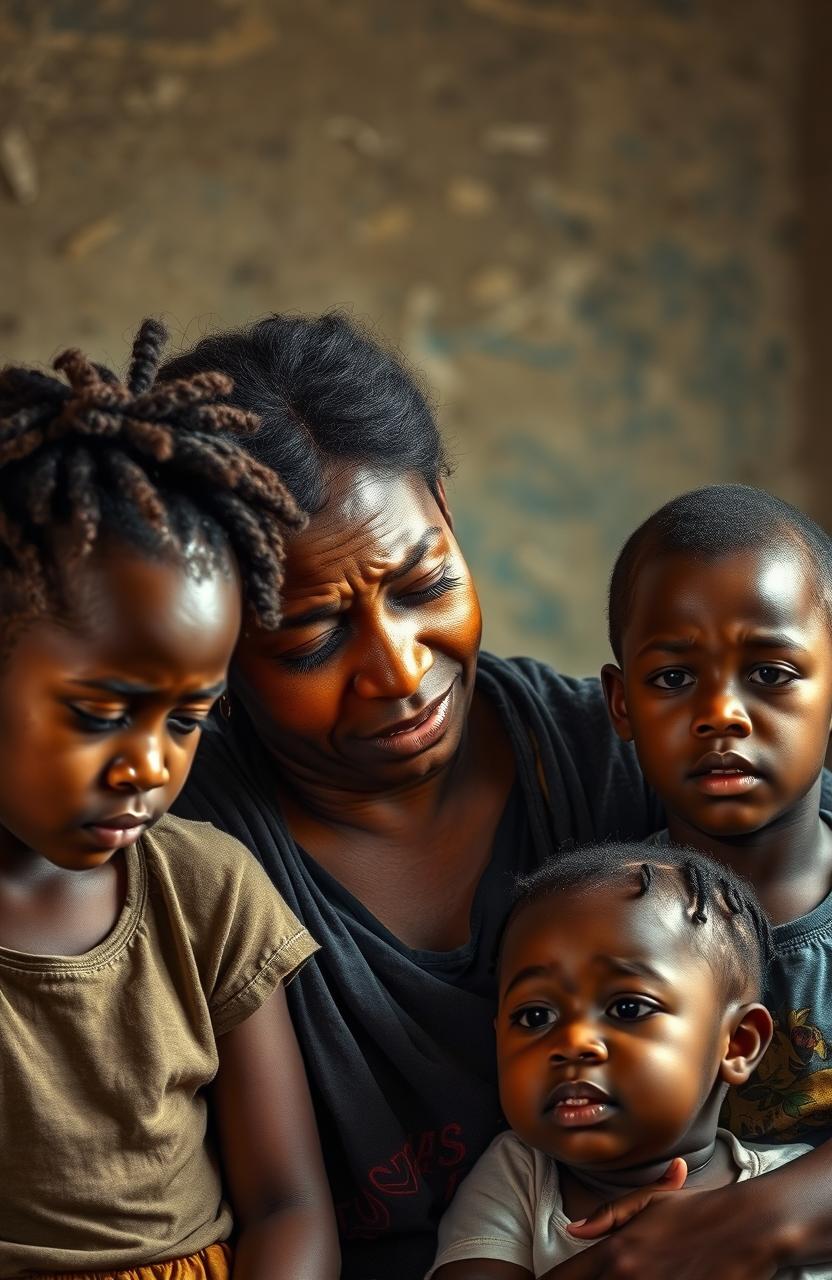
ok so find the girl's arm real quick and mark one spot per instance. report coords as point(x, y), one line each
point(271, 1154)
point(748, 1231)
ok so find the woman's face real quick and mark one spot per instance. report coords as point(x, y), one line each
point(367, 683)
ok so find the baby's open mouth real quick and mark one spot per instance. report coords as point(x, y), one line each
point(576, 1104)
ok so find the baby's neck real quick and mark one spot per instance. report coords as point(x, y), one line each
point(585, 1190)
point(789, 862)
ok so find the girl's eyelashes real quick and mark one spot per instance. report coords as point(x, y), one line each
point(91, 723)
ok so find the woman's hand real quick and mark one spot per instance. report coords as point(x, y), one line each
point(613, 1215)
point(707, 1235)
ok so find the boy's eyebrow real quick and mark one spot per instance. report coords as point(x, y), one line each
point(759, 640)
point(127, 689)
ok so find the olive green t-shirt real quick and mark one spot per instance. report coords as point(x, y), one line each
point(105, 1058)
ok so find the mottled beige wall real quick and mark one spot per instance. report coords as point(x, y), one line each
point(579, 218)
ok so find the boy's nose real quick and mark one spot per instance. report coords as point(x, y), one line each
point(723, 714)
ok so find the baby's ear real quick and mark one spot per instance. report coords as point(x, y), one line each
point(753, 1029)
point(612, 678)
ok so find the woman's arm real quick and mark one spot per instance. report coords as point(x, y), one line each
point(271, 1153)
point(748, 1231)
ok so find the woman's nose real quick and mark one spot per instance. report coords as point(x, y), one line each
point(392, 666)
point(139, 768)
point(721, 713)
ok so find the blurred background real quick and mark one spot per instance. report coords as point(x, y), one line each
point(598, 229)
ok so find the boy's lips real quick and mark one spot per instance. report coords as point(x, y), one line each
point(576, 1104)
point(724, 773)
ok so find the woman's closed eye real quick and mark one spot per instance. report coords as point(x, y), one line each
point(431, 591)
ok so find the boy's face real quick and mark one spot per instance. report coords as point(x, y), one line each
point(726, 687)
point(612, 1029)
point(99, 721)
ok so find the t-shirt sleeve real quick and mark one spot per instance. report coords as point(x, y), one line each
point(245, 939)
point(265, 945)
point(493, 1212)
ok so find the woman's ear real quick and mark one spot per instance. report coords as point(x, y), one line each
point(753, 1029)
point(442, 503)
point(612, 679)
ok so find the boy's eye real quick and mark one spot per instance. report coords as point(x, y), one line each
point(772, 676)
point(533, 1017)
point(673, 678)
point(630, 1009)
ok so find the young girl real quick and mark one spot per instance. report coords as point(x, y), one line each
point(142, 957)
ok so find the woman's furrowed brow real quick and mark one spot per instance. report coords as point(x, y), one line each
point(415, 554)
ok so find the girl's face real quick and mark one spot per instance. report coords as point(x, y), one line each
point(100, 713)
point(367, 683)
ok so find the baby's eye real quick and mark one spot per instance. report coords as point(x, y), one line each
point(772, 676)
point(534, 1016)
point(630, 1009)
point(672, 678)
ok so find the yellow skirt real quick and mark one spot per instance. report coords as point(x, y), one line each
point(213, 1263)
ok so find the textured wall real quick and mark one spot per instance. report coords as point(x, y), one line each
point(577, 217)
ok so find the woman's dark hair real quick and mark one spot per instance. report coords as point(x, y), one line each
point(160, 467)
point(325, 392)
point(715, 521)
point(720, 906)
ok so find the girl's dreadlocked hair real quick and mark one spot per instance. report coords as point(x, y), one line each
point(157, 466)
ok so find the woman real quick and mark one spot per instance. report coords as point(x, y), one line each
point(392, 781)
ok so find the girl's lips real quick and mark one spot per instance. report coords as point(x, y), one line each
point(112, 837)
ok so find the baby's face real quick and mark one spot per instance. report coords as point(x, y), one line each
point(611, 1029)
point(726, 688)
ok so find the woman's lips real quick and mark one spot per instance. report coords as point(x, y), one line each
point(408, 737)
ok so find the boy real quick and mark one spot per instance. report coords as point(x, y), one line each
point(719, 618)
point(627, 1006)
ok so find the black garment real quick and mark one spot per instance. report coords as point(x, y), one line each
point(399, 1044)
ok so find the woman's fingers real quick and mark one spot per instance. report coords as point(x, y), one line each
point(609, 1217)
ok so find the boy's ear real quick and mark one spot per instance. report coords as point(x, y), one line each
point(442, 503)
point(753, 1029)
point(612, 679)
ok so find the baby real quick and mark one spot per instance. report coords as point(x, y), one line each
point(629, 983)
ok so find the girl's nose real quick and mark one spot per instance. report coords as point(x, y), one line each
point(141, 770)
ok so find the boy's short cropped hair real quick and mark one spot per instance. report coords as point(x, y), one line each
point(731, 926)
point(711, 522)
